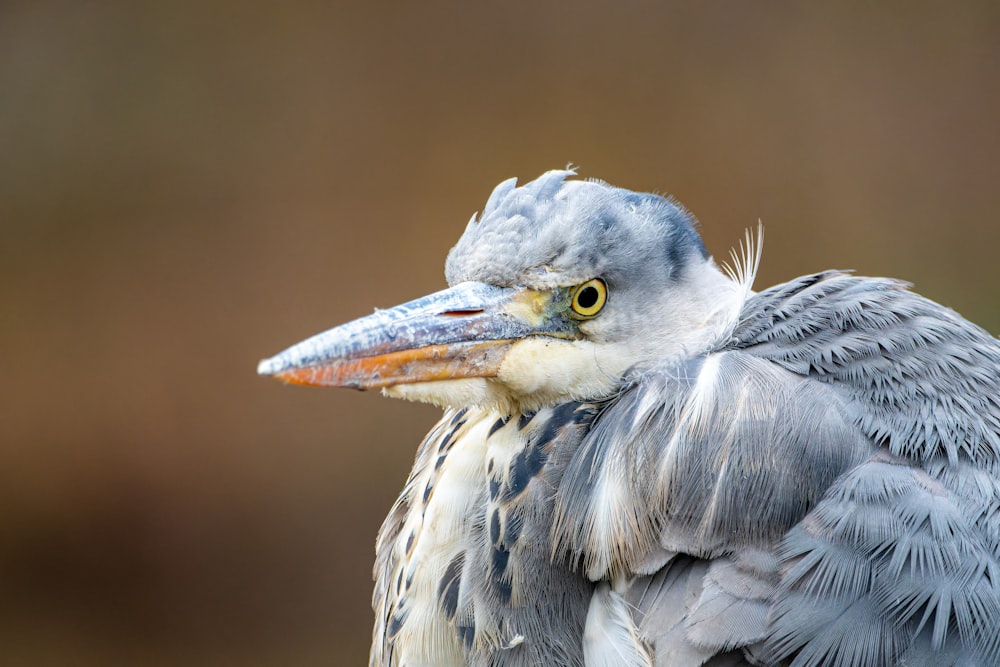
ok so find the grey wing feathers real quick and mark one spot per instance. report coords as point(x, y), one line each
point(717, 460)
point(900, 562)
point(725, 452)
point(824, 490)
point(922, 380)
point(695, 610)
point(894, 564)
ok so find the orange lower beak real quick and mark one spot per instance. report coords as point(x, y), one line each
point(422, 364)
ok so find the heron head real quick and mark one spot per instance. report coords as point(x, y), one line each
point(559, 288)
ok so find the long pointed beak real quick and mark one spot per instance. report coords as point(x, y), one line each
point(460, 332)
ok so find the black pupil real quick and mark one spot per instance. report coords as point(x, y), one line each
point(587, 298)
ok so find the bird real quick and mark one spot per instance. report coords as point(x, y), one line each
point(643, 461)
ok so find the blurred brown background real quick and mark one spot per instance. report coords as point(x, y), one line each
point(185, 188)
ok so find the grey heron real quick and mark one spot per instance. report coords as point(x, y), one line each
point(642, 461)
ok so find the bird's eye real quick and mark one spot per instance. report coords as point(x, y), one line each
point(589, 298)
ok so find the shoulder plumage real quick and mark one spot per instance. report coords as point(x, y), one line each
point(919, 379)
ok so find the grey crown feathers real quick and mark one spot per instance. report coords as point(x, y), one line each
point(556, 231)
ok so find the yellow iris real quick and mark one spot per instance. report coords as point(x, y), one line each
point(589, 298)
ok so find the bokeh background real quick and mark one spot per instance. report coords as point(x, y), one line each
point(187, 187)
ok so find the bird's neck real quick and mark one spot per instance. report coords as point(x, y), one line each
point(716, 300)
point(690, 321)
point(465, 556)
